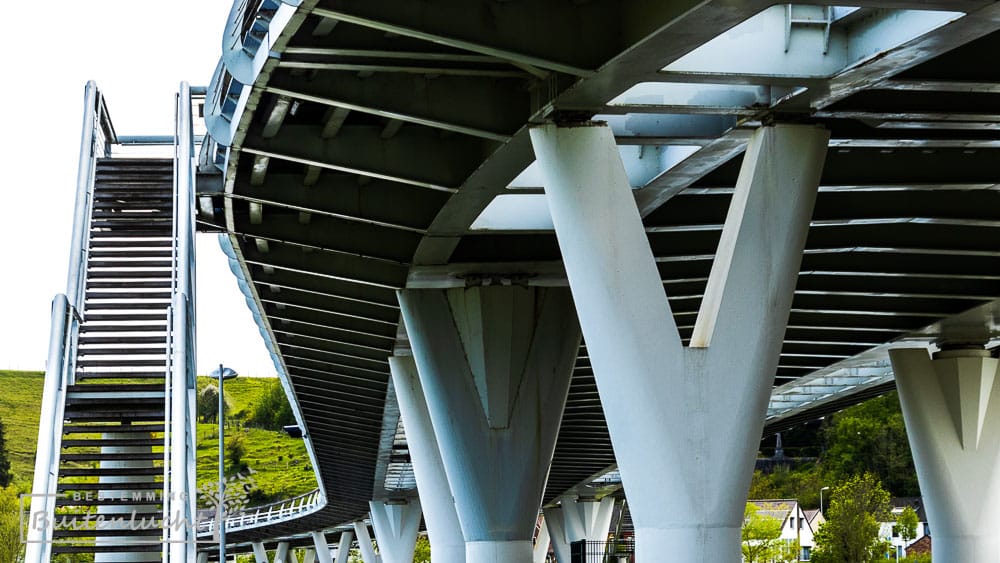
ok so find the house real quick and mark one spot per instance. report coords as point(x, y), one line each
point(796, 523)
point(890, 532)
point(921, 546)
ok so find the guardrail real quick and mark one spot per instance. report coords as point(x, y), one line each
point(267, 514)
point(67, 313)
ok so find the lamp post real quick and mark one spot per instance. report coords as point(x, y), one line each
point(222, 374)
point(821, 500)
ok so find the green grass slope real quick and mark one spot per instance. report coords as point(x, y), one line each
point(281, 465)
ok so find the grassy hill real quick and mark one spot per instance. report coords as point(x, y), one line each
point(281, 464)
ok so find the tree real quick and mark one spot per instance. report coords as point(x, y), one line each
point(10, 525)
point(760, 535)
point(236, 448)
point(208, 404)
point(850, 534)
point(272, 412)
point(5, 475)
point(906, 524)
point(422, 550)
point(871, 436)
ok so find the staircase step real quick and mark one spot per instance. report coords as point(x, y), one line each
point(149, 351)
point(102, 274)
point(145, 263)
point(58, 548)
point(97, 375)
point(121, 363)
point(119, 317)
point(117, 429)
point(124, 387)
point(159, 242)
point(141, 499)
point(96, 456)
point(109, 416)
point(85, 340)
point(143, 486)
point(154, 529)
point(87, 328)
point(102, 442)
point(135, 253)
point(109, 472)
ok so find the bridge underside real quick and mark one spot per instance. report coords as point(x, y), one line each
point(387, 147)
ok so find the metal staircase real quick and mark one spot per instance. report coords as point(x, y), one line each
point(116, 449)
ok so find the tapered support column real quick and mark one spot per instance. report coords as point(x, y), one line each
point(281, 554)
point(953, 424)
point(578, 519)
point(122, 510)
point(309, 555)
point(321, 548)
point(556, 523)
point(495, 364)
point(542, 542)
point(202, 557)
point(685, 421)
point(344, 546)
point(396, 525)
point(365, 543)
point(436, 501)
point(259, 553)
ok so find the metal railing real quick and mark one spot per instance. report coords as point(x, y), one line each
point(179, 409)
point(67, 313)
point(267, 514)
point(620, 551)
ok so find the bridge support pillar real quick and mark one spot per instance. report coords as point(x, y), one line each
point(495, 363)
point(259, 553)
point(123, 510)
point(443, 529)
point(951, 406)
point(321, 549)
point(396, 524)
point(344, 545)
point(309, 555)
point(685, 420)
point(202, 557)
point(556, 525)
point(578, 519)
point(542, 542)
point(281, 554)
point(365, 543)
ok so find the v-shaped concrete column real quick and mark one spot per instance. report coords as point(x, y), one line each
point(555, 522)
point(365, 543)
point(396, 525)
point(951, 405)
point(321, 548)
point(685, 421)
point(344, 544)
point(443, 529)
point(578, 519)
point(542, 542)
point(495, 364)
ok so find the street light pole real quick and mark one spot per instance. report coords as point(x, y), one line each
point(222, 374)
point(821, 500)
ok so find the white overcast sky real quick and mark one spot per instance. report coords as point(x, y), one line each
point(138, 52)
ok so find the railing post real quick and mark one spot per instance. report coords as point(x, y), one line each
point(179, 450)
point(49, 436)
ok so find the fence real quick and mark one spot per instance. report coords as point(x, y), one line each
point(622, 551)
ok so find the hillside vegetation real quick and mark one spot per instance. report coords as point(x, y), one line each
point(281, 465)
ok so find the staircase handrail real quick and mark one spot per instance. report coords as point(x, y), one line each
point(179, 429)
point(67, 313)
